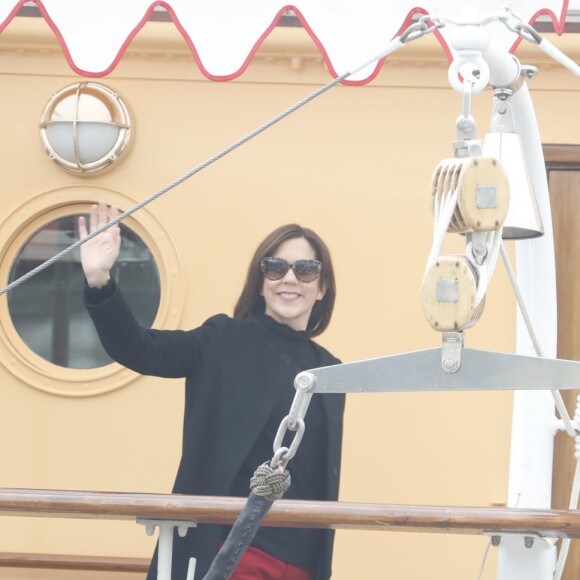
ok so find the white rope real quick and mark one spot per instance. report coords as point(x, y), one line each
point(486, 269)
point(574, 497)
point(444, 206)
point(567, 422)
point(495, 249)
point(484, 560)
point(568, 425)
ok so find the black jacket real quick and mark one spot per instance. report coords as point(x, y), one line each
point(235, 372)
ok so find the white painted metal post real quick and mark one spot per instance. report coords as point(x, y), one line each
point(191, 568)
point(533, 427)
point(165, 544)
point(164, 551)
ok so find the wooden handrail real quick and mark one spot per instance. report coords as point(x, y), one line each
point(291, 513)
point(73, 562)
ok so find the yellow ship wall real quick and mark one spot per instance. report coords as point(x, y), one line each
point(355, 165)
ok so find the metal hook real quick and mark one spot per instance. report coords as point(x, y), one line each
point(419, 29)
point(523, 29)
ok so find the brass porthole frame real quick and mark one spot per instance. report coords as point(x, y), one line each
point(30, 217)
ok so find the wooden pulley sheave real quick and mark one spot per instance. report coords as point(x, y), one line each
point(449, 294)
point(482, 188)
point(470, 195)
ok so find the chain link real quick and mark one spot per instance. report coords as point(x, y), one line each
point(284, 454)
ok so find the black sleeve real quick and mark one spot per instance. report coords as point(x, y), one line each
point(99, 295)
point(163, 353)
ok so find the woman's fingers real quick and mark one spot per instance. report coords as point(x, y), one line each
point(101, 214)
point(82, 227)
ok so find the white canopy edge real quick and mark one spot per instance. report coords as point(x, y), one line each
point(223, 36)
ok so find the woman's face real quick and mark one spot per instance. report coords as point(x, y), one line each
point(288, 300)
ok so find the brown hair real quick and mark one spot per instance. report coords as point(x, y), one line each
point(251, 302)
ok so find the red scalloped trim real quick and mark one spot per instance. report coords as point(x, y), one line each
point(558, 22)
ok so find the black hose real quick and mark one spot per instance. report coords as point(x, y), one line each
point(239, 538)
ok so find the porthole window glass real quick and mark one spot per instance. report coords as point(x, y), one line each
point(47, 310)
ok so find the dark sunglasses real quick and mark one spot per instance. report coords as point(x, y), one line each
point(305, 270)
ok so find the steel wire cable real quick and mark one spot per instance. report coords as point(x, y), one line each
point(393, 45)
point(175, 183)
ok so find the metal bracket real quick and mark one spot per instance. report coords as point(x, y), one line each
point(479, 250)
point(465, 123)
point(165, 547)
point(502, 114)
point(451, 345)
point(528, 538)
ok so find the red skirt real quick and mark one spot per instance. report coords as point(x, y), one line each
point(257, 565)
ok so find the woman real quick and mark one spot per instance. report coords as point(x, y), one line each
point(239, 386)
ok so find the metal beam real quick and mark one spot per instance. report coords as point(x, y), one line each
point(422, 371)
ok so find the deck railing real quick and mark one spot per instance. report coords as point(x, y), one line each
point(492, 521)
point(73, 562)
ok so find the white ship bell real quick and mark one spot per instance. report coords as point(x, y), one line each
point(503, 143)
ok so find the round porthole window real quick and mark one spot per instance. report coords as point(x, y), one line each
point(85, 128)
point(47, 339)
point(48, 311)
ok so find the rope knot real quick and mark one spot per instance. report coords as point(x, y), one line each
point(269, 483)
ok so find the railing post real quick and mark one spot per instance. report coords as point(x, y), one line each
point(165, 546)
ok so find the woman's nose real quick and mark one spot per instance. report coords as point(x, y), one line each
point(290, 276)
